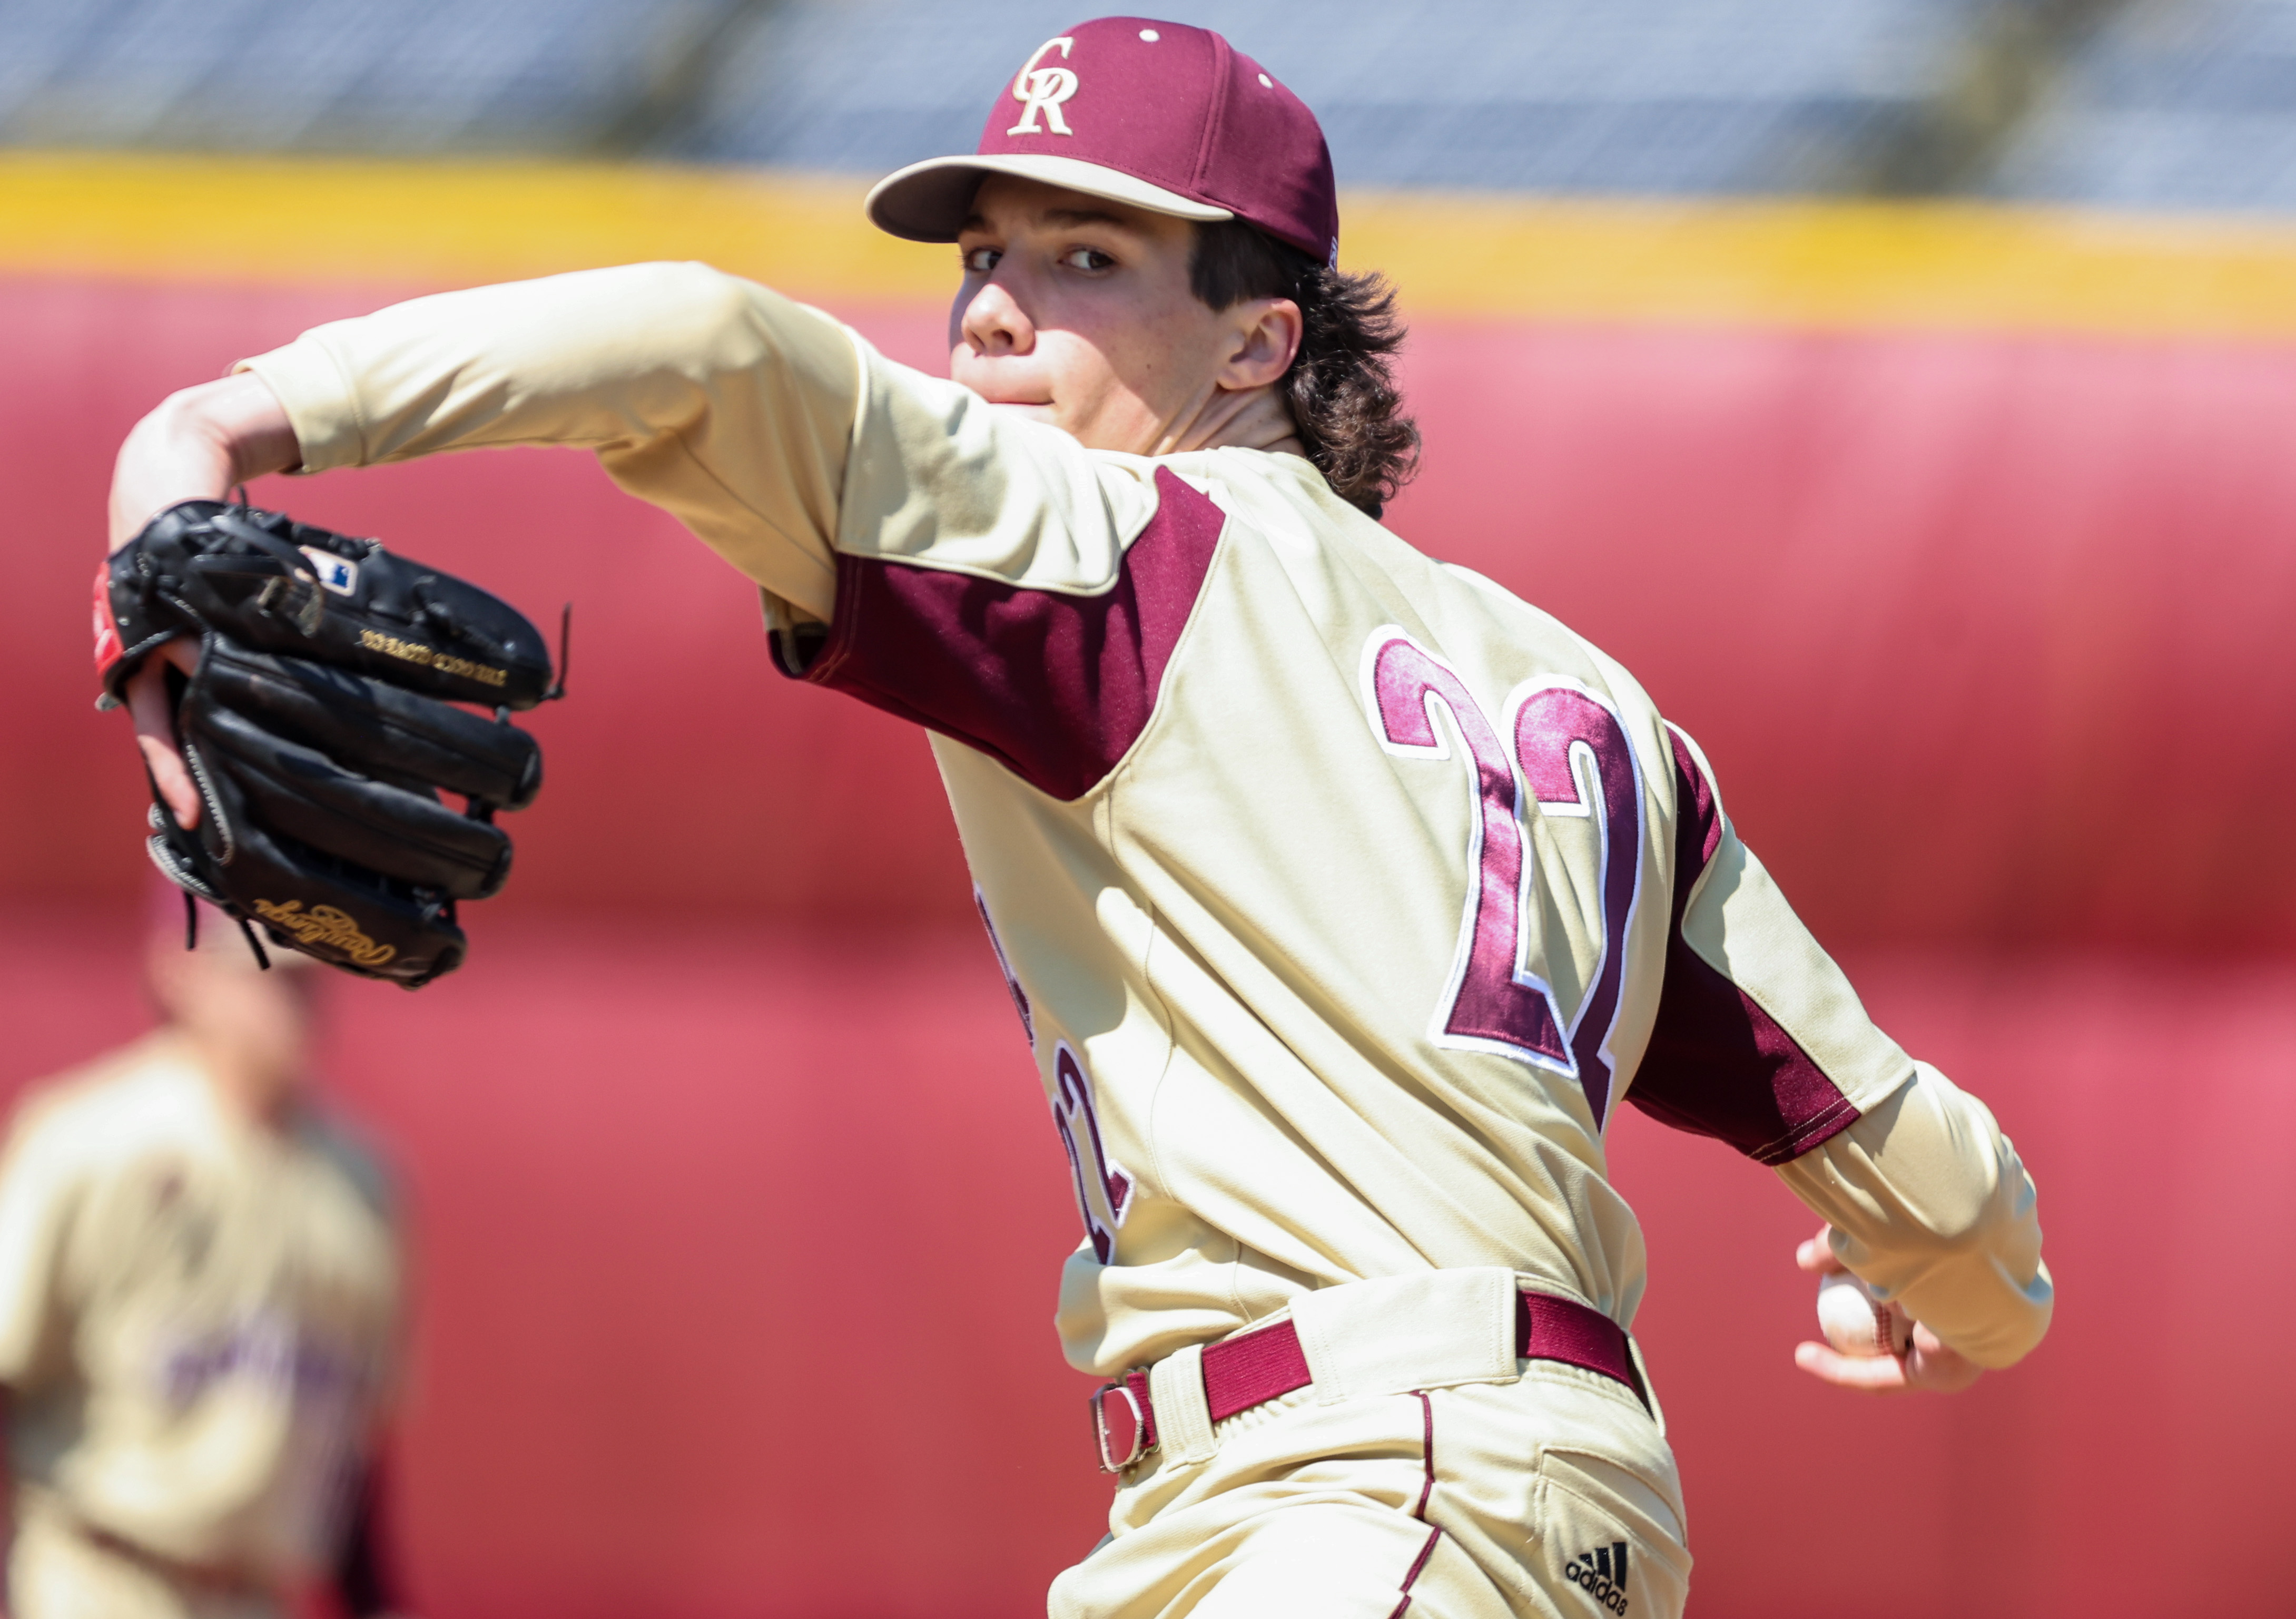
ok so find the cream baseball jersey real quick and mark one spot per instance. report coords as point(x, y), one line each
point(1345, 897)
point(195, 1316)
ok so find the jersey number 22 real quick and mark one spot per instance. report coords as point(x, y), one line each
point(1555, 740)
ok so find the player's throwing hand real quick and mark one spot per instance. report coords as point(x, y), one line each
point(1927, 1363)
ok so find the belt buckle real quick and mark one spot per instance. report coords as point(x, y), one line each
point(1131, 1425)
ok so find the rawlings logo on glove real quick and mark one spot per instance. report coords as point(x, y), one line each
point(320, 727)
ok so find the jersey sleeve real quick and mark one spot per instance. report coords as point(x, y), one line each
point(945, 559)
point(1000, 584)
point(371, 1179)
point(1760, 1041)
point(718, 400)
point(1929, 1203)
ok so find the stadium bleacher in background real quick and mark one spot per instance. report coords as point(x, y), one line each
point(2188, 105)
point(2148, 104)
point(1544, 94)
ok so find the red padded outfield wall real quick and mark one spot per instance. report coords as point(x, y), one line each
point(738, 1208)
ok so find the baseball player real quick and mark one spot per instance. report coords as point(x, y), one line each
point(1344, 897)
point(198, 1293)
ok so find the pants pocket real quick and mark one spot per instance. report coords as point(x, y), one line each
point(1611, 1540)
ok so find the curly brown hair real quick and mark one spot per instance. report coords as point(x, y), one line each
point(1340, 387)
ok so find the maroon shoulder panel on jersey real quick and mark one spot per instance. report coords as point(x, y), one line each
point(1056, 687)
point(1716, 1063)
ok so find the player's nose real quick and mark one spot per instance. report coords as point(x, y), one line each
point(993, 322)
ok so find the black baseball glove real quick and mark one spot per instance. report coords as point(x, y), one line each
point(320, 727)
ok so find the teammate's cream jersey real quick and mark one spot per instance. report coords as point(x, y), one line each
point(1345, 896)
point(196, 1315)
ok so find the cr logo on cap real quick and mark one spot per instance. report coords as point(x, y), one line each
point(1043, 89)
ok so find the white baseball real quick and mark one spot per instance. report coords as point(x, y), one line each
point(1856, 1323)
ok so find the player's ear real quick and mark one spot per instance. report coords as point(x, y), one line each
point(1266, 334)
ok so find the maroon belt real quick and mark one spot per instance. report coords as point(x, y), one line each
point(1257, 1366)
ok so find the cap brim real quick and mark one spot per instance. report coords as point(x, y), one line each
point(928, 201)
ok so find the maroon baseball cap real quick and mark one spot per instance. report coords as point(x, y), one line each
point(1166, 117)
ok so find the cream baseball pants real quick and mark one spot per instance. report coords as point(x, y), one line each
point(1520, 1488)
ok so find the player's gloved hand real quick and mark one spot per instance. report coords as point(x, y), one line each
point(320, 725)
point(1927, 1364)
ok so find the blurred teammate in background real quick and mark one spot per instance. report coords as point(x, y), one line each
point(200, 1298)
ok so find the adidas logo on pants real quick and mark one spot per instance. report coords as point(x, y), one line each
point(1602, 1574)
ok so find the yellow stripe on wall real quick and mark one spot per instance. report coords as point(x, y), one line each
point(1835, 265)
point(291, 220)
point(1827, 265)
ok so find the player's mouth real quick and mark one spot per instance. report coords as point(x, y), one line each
point(1035, 409)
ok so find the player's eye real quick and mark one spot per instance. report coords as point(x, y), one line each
point(1089, 259)
point(981, 260)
